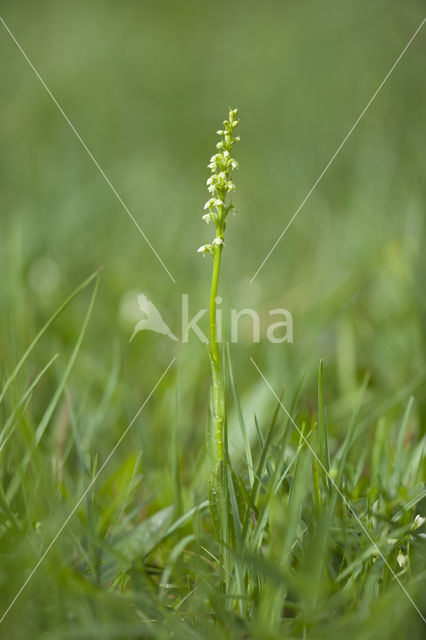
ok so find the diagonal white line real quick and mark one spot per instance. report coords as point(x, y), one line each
point(80, 500)
point(345, 139)
point(85, 147)
point(340, 493)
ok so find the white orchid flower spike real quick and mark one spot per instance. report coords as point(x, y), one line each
point(152, 321)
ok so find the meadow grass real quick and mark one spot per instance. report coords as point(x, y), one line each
point(295, 537)
point(285, 556)
point(287, 559)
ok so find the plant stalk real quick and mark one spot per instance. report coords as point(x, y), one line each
point(217, 376)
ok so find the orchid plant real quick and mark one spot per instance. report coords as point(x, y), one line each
point(218, 206)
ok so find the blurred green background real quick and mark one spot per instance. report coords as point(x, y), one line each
point(146, 84)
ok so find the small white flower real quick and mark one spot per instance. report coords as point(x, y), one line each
point(220, 145)
point(218, 241)
point(209, 203)
point(418, 522)
point(234, 164)
point(231, 186)
point(226, 153)
point(220, 132)
point(211, 180)
point(207, 218)
point(212, 166)
point(219, 203)
point(205, 249)
point(401, 559)
point(211, 188)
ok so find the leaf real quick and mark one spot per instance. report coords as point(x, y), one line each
point(216, 496)
point(211, 434)
point(43, 330)
point(45, 420)
point(226, 501)
point(249, 459)
point(146, 534)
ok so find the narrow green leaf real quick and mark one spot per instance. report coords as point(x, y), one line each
point(45, 327)
point(17, 478)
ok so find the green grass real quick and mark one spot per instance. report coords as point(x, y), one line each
point(290, 553)
point(141, 556)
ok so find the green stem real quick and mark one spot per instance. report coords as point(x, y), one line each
point(213, 295)
point(217, 377)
